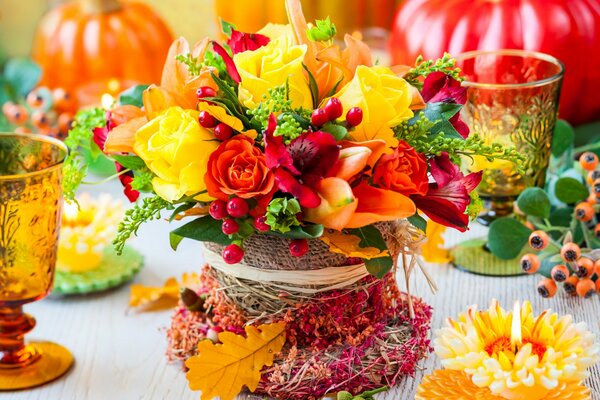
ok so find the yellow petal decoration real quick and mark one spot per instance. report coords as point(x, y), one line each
point(456, 385)
point(221, 370)
point(433, 250)
point(149, 298)
point(348, 245)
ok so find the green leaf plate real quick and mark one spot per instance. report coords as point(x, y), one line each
point(113, 271)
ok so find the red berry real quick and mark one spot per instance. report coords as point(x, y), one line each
point(298, 247)
point(319, 117)
point(223, 131)
point(233, 254)
point(207, 120)
point(218, 209)
point(354, 116)
point(237, 207)
point(229, 226)
point(205, 91)
point(260, 224)
point(333, 108)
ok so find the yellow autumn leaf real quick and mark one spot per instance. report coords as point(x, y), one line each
point(433, 249)
point(348, 245)
point(154, 298)
point(221, 370)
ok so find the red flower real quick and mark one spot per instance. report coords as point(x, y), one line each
point(404, 171)
point(301, 165)
point(441, 88)
point(126, 180)
point(240, 41)
point(229, 64)
point(448, 198)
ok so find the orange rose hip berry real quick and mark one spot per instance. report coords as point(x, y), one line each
point(547, 288)
point(570, 285)
point(570, 252)
point(588, 161)
point(584, 211)
point(560, 273)
point(584, 268)
point(585, 288)
point(538, 240)
point(530, 263)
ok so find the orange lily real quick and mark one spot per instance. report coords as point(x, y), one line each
point(327, 63)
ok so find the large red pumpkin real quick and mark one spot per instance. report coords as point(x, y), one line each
point(566, 29)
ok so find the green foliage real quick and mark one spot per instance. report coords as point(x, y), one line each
point(339, 132)
point(226, 27)
point(204, 229)
point(323, 31)
point(22, 75)
point(131, 162)
point(193, 63)
point(370, 236)
point(303, 232)
point(142, 180)
point(475, 206)
point(440, 114)
point(563, 137)
point(418, 222)
point(535, 202)
point(422, 68)
point(282, 214)
point(276, 101)
point(80, 141)
point(367, 395)
point(133, 96)
point(228, 99)
point(570, 190)
point(288, 127)
point(149, 209)
point(506, 238)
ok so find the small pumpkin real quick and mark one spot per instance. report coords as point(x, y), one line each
point(99, 40)
point(566, 29)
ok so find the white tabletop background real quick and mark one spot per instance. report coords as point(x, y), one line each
point(120, 354)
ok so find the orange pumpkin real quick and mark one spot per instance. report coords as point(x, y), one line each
point(100, 40)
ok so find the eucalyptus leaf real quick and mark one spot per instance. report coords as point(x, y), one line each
point(570, 190)
point(534, 202)
point(563, 137)
point(22, 74)
point(506, 238)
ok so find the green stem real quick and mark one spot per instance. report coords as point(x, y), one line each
point(375, 391)
point(107, 179)
point(587, 147)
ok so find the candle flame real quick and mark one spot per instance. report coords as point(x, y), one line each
point(516, 338)
point(107, 101)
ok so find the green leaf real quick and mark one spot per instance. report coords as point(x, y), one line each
point(561, 217)
point(312, 84)
point(506, 238)
point(301, 232)
point(570, 190)
point(323, 30)
point(174, 240)
point(130, 162)
point(440, 113)
point(183, 207)
point(133, 96)
point(563, 137)
point(226, 27)
point(380, 266)
point(22, 74)
point(339, 132)
point(418, 222)
point(203, 229)
point(369, 237)
point(547, 263)
point(535, 202)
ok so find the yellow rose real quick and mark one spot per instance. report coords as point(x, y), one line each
point(384, 99)
point(272, 65)
point(176, 148)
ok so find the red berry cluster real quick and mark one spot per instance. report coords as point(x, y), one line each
point(578, 274)
point(235, 211)
point(46, 114)
point(220, 130)
point(332, 110)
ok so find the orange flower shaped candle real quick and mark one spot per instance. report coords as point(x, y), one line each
point(516, 356)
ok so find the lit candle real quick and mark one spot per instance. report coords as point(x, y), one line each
point(107, 101)
point(516, 338)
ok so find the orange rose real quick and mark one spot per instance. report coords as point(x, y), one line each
point(404, 171)
point(238, 168)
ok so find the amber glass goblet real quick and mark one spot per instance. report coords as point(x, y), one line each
point(30, 209)
point(512, 99)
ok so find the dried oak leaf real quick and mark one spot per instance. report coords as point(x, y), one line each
point(348, 245)
point(221, 370)
point(153, 298)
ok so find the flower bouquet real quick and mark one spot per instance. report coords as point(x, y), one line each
point(306, 172)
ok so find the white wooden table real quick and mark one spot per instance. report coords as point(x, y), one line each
point(120, 354)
